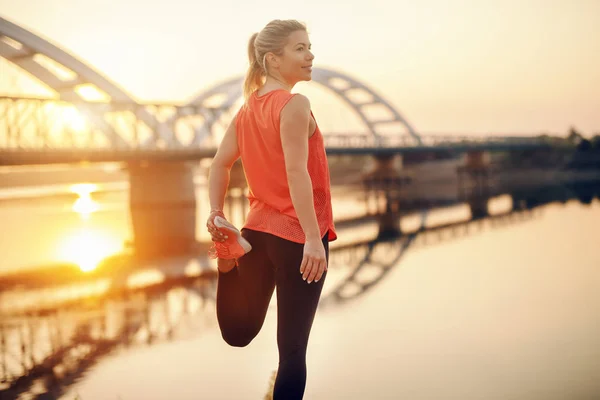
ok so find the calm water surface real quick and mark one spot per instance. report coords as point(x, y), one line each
point(511, 311)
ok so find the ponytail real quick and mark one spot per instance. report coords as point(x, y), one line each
point(254, 76)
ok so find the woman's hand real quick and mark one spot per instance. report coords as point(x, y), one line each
point(314, 261)
point(215, 233)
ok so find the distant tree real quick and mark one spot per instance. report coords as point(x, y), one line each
point(596, 142)
point(545, 137)
point(574, 137)
point(584, 145)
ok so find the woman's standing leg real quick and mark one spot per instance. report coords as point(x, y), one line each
point(297, 303)
point(244, 293)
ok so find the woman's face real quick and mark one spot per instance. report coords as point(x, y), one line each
point(295, 64)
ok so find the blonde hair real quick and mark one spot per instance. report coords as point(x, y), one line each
point(271, 39)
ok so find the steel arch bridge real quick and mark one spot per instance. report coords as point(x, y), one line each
point(30, 53)
point(71, 128)
point(352, 92)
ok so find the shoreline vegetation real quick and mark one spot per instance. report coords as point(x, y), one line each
point(573, 151)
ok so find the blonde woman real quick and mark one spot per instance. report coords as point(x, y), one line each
point(284, 242)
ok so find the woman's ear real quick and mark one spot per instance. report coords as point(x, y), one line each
point(273, 60)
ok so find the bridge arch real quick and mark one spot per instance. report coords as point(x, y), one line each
point(342, 85)
point(23, 49)
point(65, 74)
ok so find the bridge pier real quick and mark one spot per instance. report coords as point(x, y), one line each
point(384, 185)
point(519, 202)
point(474, 182)
point(162, 203)
point(389, 221)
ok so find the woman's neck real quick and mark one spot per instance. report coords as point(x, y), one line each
point(273, 82)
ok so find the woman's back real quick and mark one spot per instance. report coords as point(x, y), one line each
point(259, 142)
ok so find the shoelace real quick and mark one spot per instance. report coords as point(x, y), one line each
point(219, 250)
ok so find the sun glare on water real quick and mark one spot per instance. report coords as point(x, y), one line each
point(87, 246)
point(84, 205)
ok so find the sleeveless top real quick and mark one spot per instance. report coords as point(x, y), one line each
point(259, 141)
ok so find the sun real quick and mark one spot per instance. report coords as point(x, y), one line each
point(73, 119)
point(84, 205)
point(87, 247)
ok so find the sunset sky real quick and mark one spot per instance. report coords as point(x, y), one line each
point(460, 66)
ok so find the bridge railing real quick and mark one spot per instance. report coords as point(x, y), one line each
point(48, 124)
point(404, 140)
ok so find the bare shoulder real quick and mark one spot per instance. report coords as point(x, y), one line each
point(298, 104)
point(239, 112)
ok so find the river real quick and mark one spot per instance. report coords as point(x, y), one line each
point(511, 311)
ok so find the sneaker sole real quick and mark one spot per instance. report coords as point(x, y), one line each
point(224, 226)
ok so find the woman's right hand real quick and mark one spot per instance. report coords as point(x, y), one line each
point(314, 261)
point(215, 233)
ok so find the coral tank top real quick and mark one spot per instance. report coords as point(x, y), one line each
point(259, 141)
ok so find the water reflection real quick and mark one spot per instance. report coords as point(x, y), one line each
point(368, 262)
point(88, 245)
point(128, 308)
point(84, 205)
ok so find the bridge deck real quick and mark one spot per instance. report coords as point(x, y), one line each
point(10, 157)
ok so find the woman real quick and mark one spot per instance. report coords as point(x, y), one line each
point(284, 241)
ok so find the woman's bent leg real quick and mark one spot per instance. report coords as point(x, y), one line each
point(244, 293)
point(297, 303)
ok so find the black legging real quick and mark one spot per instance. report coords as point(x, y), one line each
point(243, 296)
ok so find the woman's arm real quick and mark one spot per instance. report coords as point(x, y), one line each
point(218, 176)
point(294, 123)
